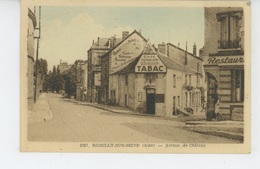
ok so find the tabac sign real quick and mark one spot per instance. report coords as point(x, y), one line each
point(225, 60)
point(150, 64)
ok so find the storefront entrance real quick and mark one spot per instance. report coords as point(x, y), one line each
point(150, 101)
point(212, 95)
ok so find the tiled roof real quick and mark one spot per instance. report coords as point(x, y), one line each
point(104, 43)
point(189, 54)
point(175, 65)
point(130, 68)
point(122, 40)
point(169, 63)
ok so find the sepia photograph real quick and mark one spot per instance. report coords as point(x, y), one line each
point(144, 77)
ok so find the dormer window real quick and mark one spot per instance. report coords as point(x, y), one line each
point(230, 30)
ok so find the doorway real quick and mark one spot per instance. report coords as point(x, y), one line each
point(212, 86)
point(150, 101)
point(174, 106)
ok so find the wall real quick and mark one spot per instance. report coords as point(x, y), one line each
point(129, 49)
point(30, 58)
point(140, 93)
point(172, 91)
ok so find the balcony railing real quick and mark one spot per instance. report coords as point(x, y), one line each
point(229, 44)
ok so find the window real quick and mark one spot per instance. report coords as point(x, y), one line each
point(174, 81)
point(150, 78)
point(186, 80)
point(229, 29)
point(179, 103)
point(125, 100)
point(237, 84)
point(126, 80)
point(189, 79)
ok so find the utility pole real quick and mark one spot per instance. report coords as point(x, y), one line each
point(37, 54)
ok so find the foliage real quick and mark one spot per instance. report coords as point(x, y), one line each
point(188, 87)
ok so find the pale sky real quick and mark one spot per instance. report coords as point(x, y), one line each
point(67, 32)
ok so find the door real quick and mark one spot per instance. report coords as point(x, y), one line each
point(211, 93)
point(150, 101)
point(173, 106)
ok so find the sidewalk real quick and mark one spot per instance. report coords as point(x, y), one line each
point(227, 129)
point(113, 109)
point(41, 110)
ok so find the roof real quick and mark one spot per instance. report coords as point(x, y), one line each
point(175, 65)
point(116, 45)
point(103, 43)
point(130, 68)
point(190, 54)
point(149, 49)
point(169, 63)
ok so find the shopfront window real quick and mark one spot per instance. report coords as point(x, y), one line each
point(237, 92)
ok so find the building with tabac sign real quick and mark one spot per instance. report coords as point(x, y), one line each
point(153, 83)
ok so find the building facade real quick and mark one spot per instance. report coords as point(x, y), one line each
point(98, 48)
point(153, 83)
point(30, 57)
point(63, 67)
point(223, 56)
point(82, 81)
point(117, 58)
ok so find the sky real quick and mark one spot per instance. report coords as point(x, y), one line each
point(67, 32)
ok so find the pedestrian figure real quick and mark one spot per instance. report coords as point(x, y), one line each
point(85, 95)
point(217, 109)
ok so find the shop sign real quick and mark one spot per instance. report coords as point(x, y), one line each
point(159, 98)
point(150, 64)
point(225, 60)
point(126, 52)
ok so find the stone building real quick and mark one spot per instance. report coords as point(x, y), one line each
point(82, 81)
point(137, 75)
point(115, 59)
point(63, 67)
point(223, 55)
point(30, 57)
point(98, 48)
point(153, 83)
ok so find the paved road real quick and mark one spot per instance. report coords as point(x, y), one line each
point(72, 122)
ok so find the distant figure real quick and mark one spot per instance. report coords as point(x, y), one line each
point(85, 95)
point(217, 115)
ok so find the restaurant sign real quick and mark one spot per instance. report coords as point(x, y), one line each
point(225, 60)
point(150, 64)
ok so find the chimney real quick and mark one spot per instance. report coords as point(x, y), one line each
point(162, 48)
point(194, 49)
point(125, 34)
point(98, 41)
point(186, 55)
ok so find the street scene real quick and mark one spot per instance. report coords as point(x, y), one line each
point(66, 121)
point(143, 75)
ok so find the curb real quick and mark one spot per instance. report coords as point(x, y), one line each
point(117, 112)
point(213, 123)
point(229, 135)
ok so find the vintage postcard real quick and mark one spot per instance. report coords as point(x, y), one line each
point(135, 76)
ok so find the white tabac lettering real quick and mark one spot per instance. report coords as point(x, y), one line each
point(150, 63)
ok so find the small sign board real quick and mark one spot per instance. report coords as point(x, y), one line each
point(159, 98)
